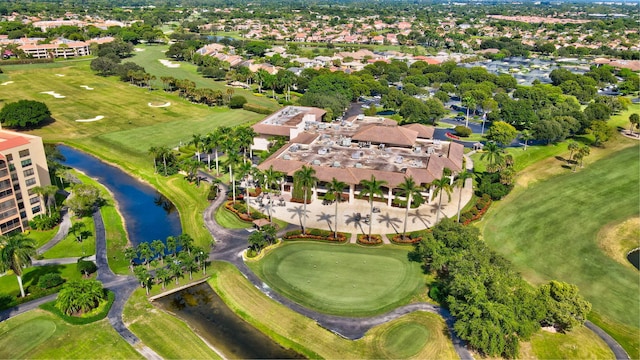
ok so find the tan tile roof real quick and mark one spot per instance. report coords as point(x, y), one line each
point(455, 155)
point(424, 131)
point(274, 130)
point(305, 138)
point(286, 166)
point(392, 135)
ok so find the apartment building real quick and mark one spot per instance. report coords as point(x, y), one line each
point(23, 166)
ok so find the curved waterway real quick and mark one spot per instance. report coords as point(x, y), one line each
point(212, 319)
point(634, 258)
point(148, 214)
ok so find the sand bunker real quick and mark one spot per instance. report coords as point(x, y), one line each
point(54, 94)
point(6, 83)
point(99, 117)
point(138, 49)
point(169, 64)
point(160, 105)
point(61, 75)
point(86, 87)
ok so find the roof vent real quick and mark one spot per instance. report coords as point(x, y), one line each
point(336, 164)
point(286, 157)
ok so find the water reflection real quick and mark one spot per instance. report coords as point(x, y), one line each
point(204, 311)
point(164, 203)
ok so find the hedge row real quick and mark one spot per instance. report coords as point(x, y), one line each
point(476, 212)
point(75, 320)
point(257, 109)
point(240, 210)
point(25, 61)
point(316, 234)
point(411, 237)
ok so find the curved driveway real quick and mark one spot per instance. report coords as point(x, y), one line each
point(229, 247)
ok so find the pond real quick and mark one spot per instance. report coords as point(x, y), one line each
point(148, 215)
point(634, 258)
point(205, 312)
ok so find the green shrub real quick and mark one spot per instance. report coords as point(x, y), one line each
point(44, 222)
point(213, 192)
point(257, 109)
point(51, 307)
point(50, 280)
point(237, 102)
point(86, 267)
point(462, 131)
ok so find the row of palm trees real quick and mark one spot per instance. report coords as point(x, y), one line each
point(305, 177)
point(188, 90)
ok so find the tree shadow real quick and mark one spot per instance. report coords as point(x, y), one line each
point(327, 218)
point(560, 158)
point(356, 220)
point(31, 277)
point(299, 212)
point(389, 221)
point(417, 216)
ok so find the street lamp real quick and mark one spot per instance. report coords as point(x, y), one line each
point(204, 264)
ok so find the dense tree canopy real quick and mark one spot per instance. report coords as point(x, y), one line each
point(24, 114)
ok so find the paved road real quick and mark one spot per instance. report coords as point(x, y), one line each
point(229, 247)
point(618, 351)
point(63, 230)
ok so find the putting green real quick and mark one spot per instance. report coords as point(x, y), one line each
point(341, 279)
point(404, 339)
point(20, 340)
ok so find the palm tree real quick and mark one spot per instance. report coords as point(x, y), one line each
point(162, 276)
point(526, 135)
point(306, 178)
point(260, 76)
point(144, 277)
point(158, 248)
point(172, 244)
point(634, 119)
point(130, 254)
point(145, 252)
point(233, 158)
point(272, 177)
point(245, 137)
point(335, 188)
point(46, 193)
point(371, 188)
point(584, 151)
point(244, 170)
point(153, 151)
point(469, 102)
point(186, 242)
point(216, 139)
point(493, 154)
point(188, 263)
point(441, 185)
point(176, 270)
point(163, 152)
point(411, 191)
point(196, 141)
point(460, 181)
point(15, 254)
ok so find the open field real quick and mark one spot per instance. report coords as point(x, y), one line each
point(31, 275)
point(149, 59)
point(581, 343)
point(167, 335)
point(306, 337)
point(557, 221)
point(40, 334)
point(342, 280)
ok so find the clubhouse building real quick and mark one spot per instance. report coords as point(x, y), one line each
point(355, 149)
point(23, 166)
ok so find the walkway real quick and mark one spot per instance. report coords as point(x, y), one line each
point(63, 230)
point(229, 247)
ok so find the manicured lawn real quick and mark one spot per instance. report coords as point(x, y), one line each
point(342, 280)
point(622, 120)
point(42, 237)
point(149, 59)
point(580, 343)
point(549, 231)
point(229, 220)
point(524, 158)
point(302, 334)
point(167, 335)
point(69, 247)
point(31, 275)
point(39, 334)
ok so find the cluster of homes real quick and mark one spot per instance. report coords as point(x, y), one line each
point(58, 48)
point(355, 149)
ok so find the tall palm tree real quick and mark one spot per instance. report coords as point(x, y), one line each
point(572, 146)
point(164, 152)
point(335, 188)
point(371, 188)
point(244, 170)
point(158, 248)
point(305, 177)
point(197, 140)
point(459, 182)
point(272, 177)
point(493, 154)
point(441, 185)
point(145, 252)
point(216, 139)
point(233, 158)
point(15, 254)
point(526, 135)
point(411, 191)
point(172, 244)
point(245, 137)
point(469, 102)
point(153, 151)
